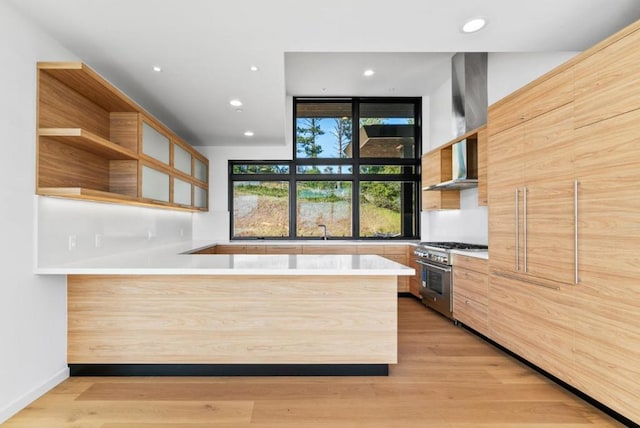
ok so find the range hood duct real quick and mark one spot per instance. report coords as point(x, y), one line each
point(469, 90)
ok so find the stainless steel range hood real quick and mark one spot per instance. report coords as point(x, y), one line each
point(464, 166)
point(469, 105)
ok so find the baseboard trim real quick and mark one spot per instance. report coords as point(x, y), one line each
point(229, 369)
point(23, 401)
point(572, 389)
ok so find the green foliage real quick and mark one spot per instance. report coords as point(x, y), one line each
point(383, 194)
point(342, 131)
point(260, 169)
point(264, 189)
point(307, 130)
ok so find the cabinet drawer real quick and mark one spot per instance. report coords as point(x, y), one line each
point(471, 312)
point(284, 249)
point(471, 284)
point(531, 101)
point(471, 263)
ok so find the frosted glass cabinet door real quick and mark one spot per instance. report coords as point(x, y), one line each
point(155, 144)
point(181, 192)
point(181, 159)
point(200, 196)
point(200, 170)
point(155, 184)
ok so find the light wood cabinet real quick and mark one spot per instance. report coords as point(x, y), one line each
point(471, 292)
point(436, 168)
point(531, 210)
point(230, 249)
point(414, 281)
point(482, 145)
point(606, 302)
point(328, 249)
point(605, 82)
point(284, 249)
point(543, 95)
point(94, 143)
point(533, 321)
point(572, 306)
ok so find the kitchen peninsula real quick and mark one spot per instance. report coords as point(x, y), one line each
point(166, 311)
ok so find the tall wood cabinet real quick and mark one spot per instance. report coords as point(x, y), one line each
point(564, 210)
point(95, 143)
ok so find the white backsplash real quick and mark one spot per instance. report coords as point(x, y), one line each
point(103, 229)
point(469, 224)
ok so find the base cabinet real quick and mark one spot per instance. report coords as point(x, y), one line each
point(471, 292)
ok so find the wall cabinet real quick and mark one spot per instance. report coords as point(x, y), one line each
point(94, 143)
point(437, 167)
point(605, 81)
point(483, 146)
point(563, 283)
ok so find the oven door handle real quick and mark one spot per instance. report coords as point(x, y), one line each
point(432, 266)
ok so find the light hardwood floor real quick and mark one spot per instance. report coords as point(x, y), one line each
point(446, 377)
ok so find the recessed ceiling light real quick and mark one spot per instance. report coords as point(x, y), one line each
point(157, 68)
point(369, 73)
point(254, 68)
point(473, 25)
point(235, 103)
point(248, 134)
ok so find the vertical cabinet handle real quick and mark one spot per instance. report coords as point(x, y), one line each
point(576, 183)
point(517, 228)
point(524, 226)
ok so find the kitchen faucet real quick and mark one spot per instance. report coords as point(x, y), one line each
point(324, 231)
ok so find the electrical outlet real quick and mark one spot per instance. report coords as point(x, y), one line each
point(149, 235)
point(73, 242)
point(181, 232)
point(98, 240)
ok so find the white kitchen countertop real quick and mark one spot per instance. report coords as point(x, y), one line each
point(314, 242)
point(168, 260)
point(476, 254)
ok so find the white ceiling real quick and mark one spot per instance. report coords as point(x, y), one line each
point(207, 46)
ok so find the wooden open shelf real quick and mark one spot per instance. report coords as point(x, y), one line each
point(89, 84)
point(91, 143)
point(85, 140)
point(110, 197)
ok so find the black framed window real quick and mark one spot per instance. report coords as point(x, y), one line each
point(355, 169)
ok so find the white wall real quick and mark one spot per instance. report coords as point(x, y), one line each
point(506, 72)
point(119, 228)
point(32, 308)
point(510, 71)
point(214, 225)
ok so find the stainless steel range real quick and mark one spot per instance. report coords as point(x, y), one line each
point(436, 285)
